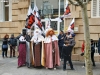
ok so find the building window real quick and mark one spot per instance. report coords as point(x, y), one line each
point(95, 9)
point(54, 25)
point(32, 4)
point(62, 25)
point(6, 10)
point(61, 7)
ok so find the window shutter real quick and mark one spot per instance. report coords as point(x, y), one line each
point(94, 8)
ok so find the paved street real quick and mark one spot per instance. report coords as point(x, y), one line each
point(8, 66)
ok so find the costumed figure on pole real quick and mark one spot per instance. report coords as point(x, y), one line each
point(52, 59)
point(38, 49)
point(22, 48)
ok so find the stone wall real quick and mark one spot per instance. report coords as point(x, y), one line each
point(19, 13)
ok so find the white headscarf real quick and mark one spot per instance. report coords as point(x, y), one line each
point(37, 36)
point(37, 32)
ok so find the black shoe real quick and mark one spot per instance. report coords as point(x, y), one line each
point(72, 69)
point(10, 56)
point(94, 65)
point(19, 66)
point(64, 69)
point(6, 56)
point(14, 56)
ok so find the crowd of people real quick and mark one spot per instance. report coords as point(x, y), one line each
point(43, 51)
point(39, 50)
point(12, 42)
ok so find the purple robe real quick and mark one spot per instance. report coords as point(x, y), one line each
point(22, 54)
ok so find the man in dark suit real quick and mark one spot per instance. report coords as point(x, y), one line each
point(61, 42)
point(13, 44)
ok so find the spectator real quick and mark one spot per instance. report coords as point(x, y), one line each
point(60, 42)
point(13, 44)
point(71, 41)
point(92, 52)
point(67, 34)
point(82, 48)
point(66, 52)
point(5, 45)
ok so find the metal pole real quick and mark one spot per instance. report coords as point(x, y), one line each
point(58, 26)
point(59, 9)
point(34, 2)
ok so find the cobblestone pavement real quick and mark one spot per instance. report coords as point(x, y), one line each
point(8, 66)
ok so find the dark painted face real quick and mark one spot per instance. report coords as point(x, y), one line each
point(12, 36)
point(68, 33)
point(24, 31)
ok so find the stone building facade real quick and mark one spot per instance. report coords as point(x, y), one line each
point(18, 11)
point(93, 11)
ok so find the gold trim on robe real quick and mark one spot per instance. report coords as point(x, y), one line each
point(41, 39)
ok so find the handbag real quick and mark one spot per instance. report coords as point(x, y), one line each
point(5, 46)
